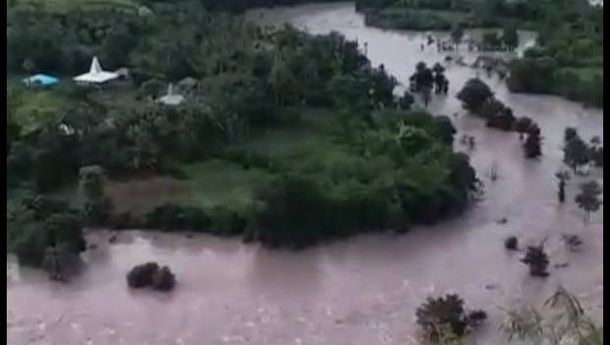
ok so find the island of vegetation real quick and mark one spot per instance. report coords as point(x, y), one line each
point(278, 136)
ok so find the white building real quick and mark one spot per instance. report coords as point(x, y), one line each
point(96, 74)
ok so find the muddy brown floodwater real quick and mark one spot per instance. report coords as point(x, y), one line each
point(360, 291)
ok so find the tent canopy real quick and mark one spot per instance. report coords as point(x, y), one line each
point(96, 74)
point(41, 79)
point(171, 98)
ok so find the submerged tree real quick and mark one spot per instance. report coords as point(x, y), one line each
point(588, 198)
point(447, 313)
point(537, 260)
point(533, 142)
point(422, 81)
point(563, 320)
point(575, 152)
point(522, 125)
point(474, 94)
point(60, 262)
point(511, 243)
point(562, 177)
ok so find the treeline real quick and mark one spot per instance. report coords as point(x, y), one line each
point(445, 14)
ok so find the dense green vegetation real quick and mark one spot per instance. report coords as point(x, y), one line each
point(289, 139)
point(568, 57)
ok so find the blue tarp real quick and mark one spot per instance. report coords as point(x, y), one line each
point(41, 79)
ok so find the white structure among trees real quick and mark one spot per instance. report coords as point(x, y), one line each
point(96, 74)
point(171, 98)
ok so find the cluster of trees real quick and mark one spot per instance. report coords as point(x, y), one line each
point(248, 84)
point(427, 15)
point(567, 60)
point(508, 40)
point(425, 79)
point(390, 176)
point(577, 153)
point(478, 99)
point(47, 233)
point(397, 167)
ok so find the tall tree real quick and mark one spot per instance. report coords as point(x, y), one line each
point(588, 198)
point(575, 152)
point(533, 142)
point(562, 177)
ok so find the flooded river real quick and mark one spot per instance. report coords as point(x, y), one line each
point(360, 291)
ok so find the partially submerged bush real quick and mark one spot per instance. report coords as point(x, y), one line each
point(60, 262)
point(447, 312)
point(142, 275)
point(511, 243)
point(163, 279)
point(537, 260)
point(150, 275)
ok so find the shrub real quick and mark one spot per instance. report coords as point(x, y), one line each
point(163, 279)
point(447, 311)
point(142, 275)
point(537, 260)
point(226, 221)
point(511, 243)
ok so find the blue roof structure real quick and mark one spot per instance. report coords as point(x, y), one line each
point(41, 79)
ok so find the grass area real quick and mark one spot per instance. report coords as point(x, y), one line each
point(38, 107)
point(217, 182)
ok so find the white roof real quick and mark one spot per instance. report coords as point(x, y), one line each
point(96, 74)
point(171, 98)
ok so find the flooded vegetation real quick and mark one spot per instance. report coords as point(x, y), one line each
point(364, 289)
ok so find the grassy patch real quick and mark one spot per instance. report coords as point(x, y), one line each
point(38, 107)
point(216, 182)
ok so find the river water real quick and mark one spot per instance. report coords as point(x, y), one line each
point(360, 291)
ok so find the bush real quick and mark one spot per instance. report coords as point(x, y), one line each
point(226, 221)
point(142, 275)
point(474, 94)
point(37, 225)
point(163, 279)
point(511, 243)
point(60, 262)
point(446, 312)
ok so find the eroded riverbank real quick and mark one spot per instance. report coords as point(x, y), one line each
point(360, 291)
